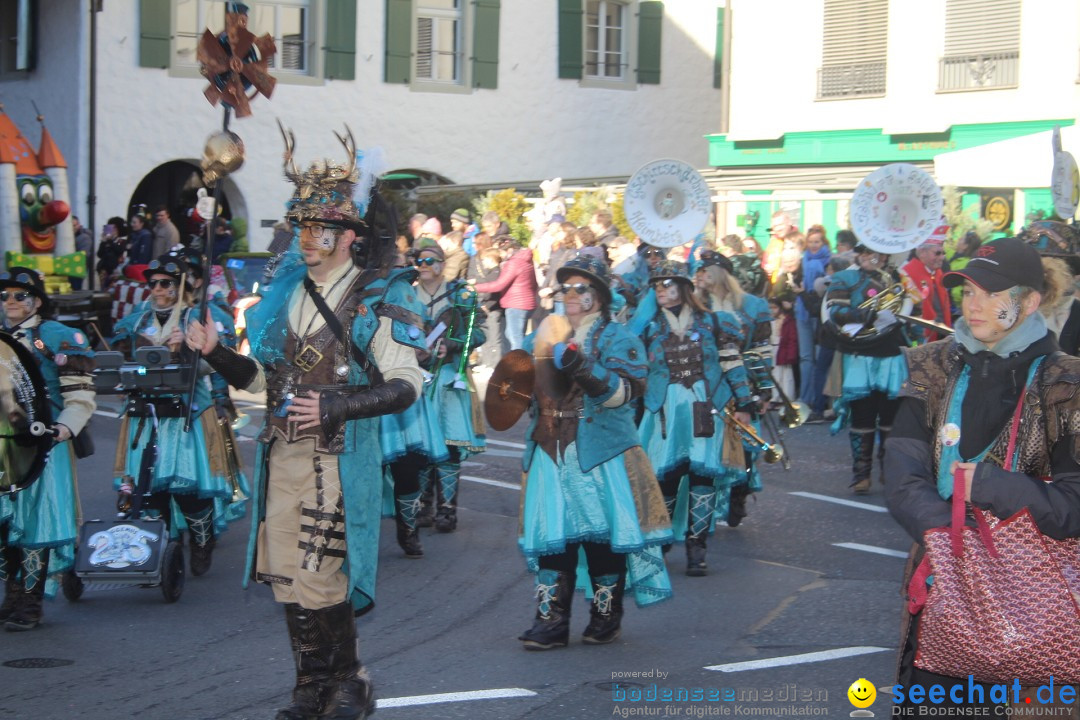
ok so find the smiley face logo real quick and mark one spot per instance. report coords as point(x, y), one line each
point(862, 693)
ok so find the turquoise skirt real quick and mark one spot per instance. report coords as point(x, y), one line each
point(863, 375)
point(413, 430)
point(43, 515)
point(563, 506)
point(182, 467)
point(453, 408)
point(672, 443)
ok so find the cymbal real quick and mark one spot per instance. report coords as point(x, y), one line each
point(509, 390)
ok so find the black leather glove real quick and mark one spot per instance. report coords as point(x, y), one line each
point(392, 396)
point(238, 370)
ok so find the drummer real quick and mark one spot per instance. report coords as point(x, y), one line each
point(38, 525)
point(589, 487)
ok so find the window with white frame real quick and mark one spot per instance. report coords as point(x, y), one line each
point(440, 41)
point(289, 22)
point(605, 39)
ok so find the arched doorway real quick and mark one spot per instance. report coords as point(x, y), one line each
point(175, 185)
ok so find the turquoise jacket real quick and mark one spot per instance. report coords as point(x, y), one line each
point(360, 466)
point(604, 432)
point(725, 377)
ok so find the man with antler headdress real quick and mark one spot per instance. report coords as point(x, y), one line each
point(333, 343)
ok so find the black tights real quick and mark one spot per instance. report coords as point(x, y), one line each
point(600, 557)
point(873, 412)
point(190, 505)
point(406, 473)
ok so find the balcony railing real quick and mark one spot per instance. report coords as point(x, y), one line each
point(982, 71)
point(845, 81)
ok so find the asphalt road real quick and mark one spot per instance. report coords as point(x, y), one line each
point(801, 600)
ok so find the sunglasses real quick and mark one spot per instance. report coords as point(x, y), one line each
point(654, 253)
point(429, 261)
point(165, 283)
point(576, 288)
point(665, 283)
point(19, 295)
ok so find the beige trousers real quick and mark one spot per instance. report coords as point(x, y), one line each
point(301, 543)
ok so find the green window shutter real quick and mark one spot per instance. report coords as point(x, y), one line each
point(340, 40)
point(155, 33)
point(486, 44)
point(571, 39)
point(398, 65)
point(718, 59)
point(650, 20)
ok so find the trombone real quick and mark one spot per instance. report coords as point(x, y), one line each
point(771, 452)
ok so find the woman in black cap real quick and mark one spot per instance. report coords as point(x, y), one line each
point(958, 410)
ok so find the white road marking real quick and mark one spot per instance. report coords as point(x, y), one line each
point(504, 443)
point(470, 463)
point(797, 659)
point(872, 549)
point(103, 413)
point(453, 697)
point(496, 483)
point(841, 501)
point(495, 452)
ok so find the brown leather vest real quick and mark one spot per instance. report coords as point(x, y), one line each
point(685, 359)
point(319, 363)
point(556, 426)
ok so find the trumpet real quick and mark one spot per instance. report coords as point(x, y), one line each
point(771, 453)
point(795, 412)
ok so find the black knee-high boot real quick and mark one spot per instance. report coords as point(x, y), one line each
point(352, 695)
point(312, 668)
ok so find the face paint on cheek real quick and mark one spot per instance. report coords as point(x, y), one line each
point(1008, 312)
point(586, 301)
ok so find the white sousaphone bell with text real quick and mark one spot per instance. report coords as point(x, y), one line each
point(893, 210)
point(667, 203)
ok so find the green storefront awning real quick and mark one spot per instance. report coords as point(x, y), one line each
point(837, 147)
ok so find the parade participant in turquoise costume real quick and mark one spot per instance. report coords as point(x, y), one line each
point(38, 525)
point(451, 397)
point(695, 368)
point(870, 339)
point(334, 346)
point(192, 484)
point(719, 288)
point(412, 442)
point(589, 489)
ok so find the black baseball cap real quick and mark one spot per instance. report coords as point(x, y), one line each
point(1000, 265)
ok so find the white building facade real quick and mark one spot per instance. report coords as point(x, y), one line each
point(469, 91)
